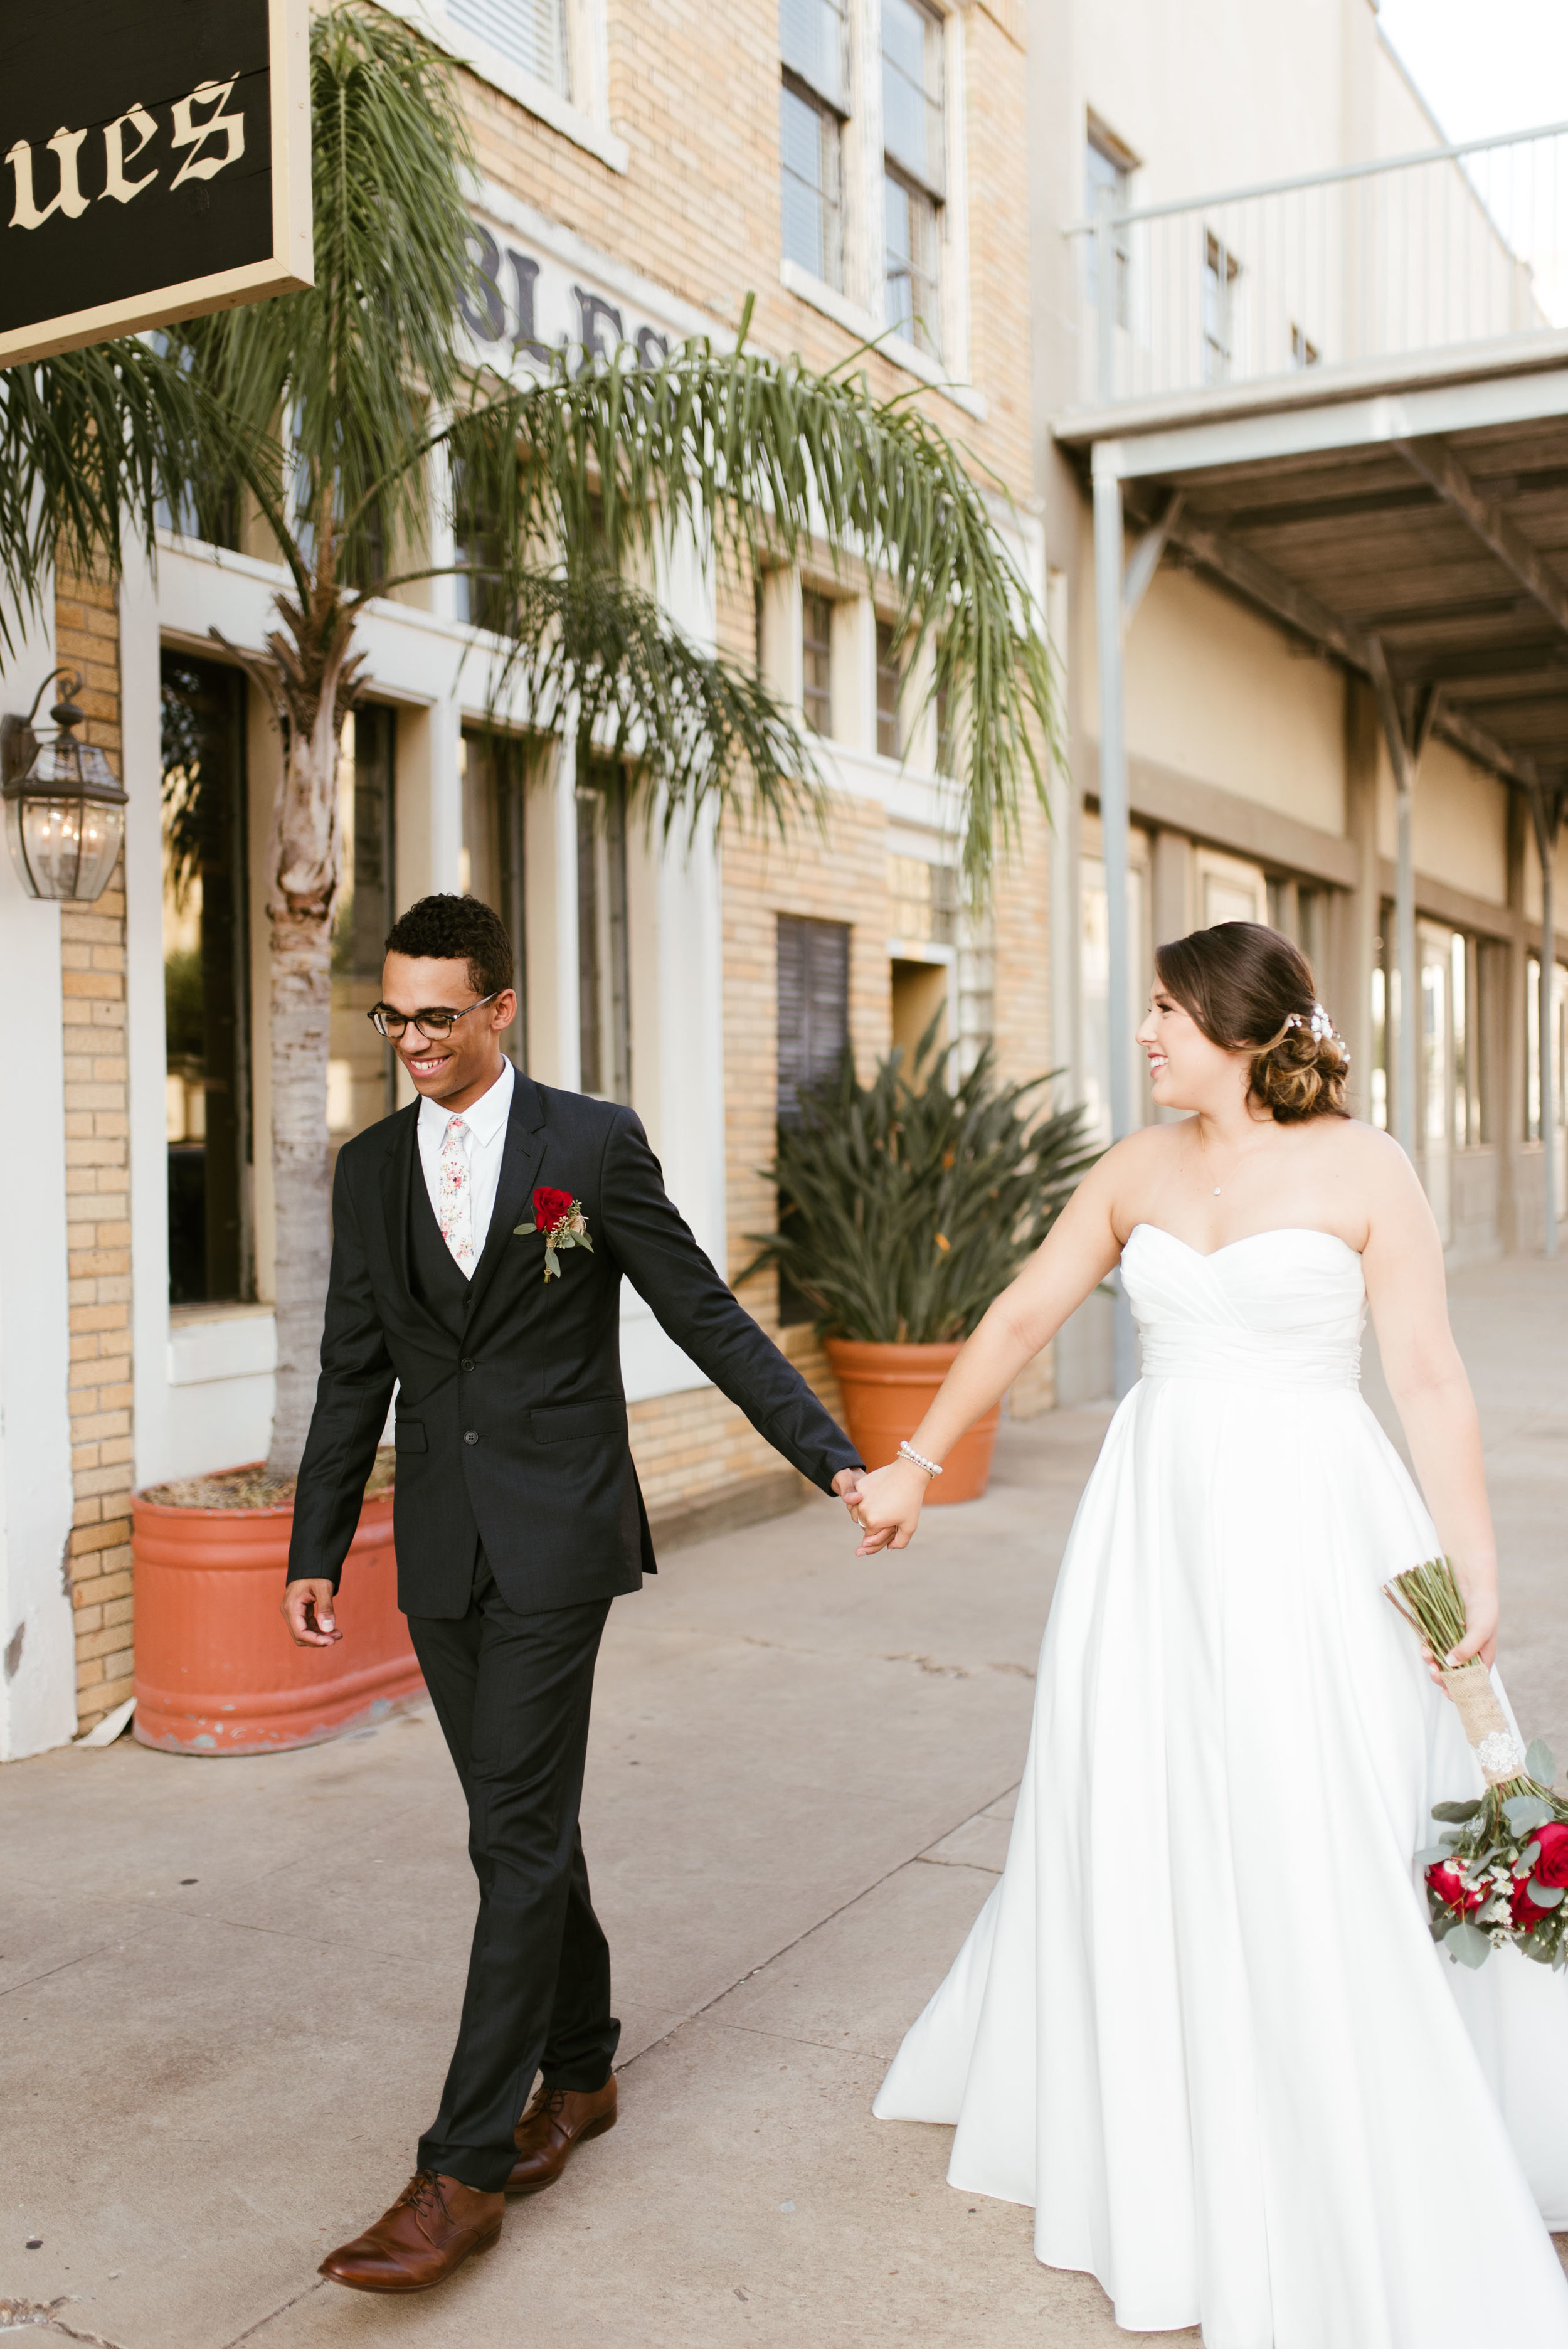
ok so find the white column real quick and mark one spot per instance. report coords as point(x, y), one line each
point(1408, 1017)
point(38, 1647)
point(1113, 818)
point(1545, 816)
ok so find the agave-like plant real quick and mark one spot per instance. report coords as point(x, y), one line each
point(349, 411)
point(905, 1206)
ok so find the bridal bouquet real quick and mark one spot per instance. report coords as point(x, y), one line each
point(1500, 1871)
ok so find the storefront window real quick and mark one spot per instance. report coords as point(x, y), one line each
point(205, 990)
point(493, 864)
point(604, 956)
point(1533, 1042)
point(361, 1067)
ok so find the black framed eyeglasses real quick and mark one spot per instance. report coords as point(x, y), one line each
point(434, 1024)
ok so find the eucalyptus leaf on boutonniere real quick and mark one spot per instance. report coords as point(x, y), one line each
point(561, 1218)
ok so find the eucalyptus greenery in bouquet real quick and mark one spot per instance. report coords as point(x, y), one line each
point(907, 1204)
point(1500, 1871)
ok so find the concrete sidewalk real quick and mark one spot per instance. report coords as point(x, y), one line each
point(228, 1988)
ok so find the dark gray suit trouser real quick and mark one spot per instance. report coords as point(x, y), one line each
point(512, 1694)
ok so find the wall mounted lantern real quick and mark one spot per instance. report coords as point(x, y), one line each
point(64, 814)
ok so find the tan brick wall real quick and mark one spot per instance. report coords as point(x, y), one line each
point(693, 92)
point(98, 1203)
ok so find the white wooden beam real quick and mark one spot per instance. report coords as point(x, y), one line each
point(1189, 437)
point(1146, 554)
point(1437, 464)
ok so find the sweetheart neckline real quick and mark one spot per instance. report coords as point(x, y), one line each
point(1278, 1231)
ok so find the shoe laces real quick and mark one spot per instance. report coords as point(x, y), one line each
point(422, 2193)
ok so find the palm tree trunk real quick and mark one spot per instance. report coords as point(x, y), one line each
point(300, 1007)
point(310, 681)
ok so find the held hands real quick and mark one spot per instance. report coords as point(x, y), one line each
point(309, 1607)
point(1481, 1629)
point(885, 1504)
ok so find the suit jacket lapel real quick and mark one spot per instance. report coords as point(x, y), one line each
point(521, 1154)
point(397, 1174)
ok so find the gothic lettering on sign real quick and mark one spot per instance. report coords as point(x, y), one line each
point(535, 310)
point(154, 164)
point(186, 128)
point(594, 313)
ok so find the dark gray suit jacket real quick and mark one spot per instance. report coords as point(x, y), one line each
point(517, 1422)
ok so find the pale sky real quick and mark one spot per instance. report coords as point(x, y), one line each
point(1484, 65)
point(1490, 66)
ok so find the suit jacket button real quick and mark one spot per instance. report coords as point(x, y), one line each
point(466, 1364)
point(471, 1436)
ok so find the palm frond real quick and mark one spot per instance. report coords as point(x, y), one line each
point(760, 457)
point(690, 727)
point(93, 444)
point(354, 362)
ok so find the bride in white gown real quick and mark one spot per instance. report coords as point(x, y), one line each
point(1200, 2024)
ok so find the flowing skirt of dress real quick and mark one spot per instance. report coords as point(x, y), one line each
point(1201, 2024)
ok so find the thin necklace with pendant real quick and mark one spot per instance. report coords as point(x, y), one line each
point(1204, 1148)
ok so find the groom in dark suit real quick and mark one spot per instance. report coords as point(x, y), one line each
point(479, 1240)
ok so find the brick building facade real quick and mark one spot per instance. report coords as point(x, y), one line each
point(640, 180)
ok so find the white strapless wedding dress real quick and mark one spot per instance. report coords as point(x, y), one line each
point(1200, 2023)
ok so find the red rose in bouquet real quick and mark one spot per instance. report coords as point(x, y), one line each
point(1452, 1889)
point(551, 1207)
point(1522, 1909)
point(1552, 1867)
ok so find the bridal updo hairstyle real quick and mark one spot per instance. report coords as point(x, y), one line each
point(1250, 990)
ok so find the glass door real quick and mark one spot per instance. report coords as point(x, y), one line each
point(205, 981)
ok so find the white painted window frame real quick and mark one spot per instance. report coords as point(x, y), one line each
point(583, 116)
point(861, 306)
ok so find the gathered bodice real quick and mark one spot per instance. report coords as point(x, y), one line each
point(1281, 1308)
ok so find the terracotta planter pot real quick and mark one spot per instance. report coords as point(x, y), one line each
point(887, 1391)
point(216, 1671)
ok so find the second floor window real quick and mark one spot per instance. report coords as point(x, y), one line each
point(915, 139)
point(889, 692)
point(817, 661)
point(814, 46)
point(1107, 170)
point(527, 33)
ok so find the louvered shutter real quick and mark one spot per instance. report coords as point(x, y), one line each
point(813, 1005)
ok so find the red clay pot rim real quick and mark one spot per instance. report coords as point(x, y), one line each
point(921, 1350)
point(254, 1509)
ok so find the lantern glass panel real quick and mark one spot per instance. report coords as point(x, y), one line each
point(64, 847)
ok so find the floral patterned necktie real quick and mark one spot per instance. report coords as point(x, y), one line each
point(457, 1209)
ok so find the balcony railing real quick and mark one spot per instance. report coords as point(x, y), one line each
point(1376, 263)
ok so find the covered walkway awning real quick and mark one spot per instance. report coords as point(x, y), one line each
point(1405, 515)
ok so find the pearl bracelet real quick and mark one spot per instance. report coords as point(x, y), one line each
point(907, 1452)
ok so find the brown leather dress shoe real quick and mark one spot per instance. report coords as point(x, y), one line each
point(558, 2120)
point(430, 2229)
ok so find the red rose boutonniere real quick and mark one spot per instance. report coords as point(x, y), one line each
point(561, 1218)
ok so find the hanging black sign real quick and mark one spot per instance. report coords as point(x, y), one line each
point(154, 164)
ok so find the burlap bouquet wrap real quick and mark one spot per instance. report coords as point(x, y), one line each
point(1496, 1748)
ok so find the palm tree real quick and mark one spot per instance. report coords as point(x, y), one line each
point(350, 411)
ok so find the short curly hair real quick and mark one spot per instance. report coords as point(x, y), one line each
point(446, 928)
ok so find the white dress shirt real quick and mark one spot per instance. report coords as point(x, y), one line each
point(486, 1120)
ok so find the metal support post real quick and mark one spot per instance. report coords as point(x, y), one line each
point(1407, 719)
point(1107, 594)
point(1407, 1016)
point(1546, 808)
